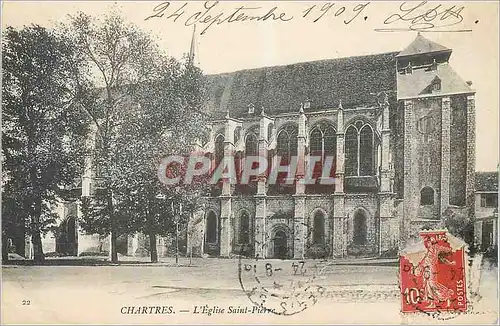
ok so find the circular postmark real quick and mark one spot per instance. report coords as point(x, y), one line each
point(282, 287)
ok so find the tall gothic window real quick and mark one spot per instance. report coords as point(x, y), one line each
point(323, 141)
point(360, 228)
point(211, 235)
point(322, 144)
point(319, 228)
point(244, 228)
point(366, 151)
point(351, 151)
point(219, 149)
point(287, 141)
point(359, 150)
point(251, 142)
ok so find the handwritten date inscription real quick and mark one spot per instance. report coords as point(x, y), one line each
point(212, 14)
point(409, 16)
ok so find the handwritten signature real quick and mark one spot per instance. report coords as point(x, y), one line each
point(424, 18)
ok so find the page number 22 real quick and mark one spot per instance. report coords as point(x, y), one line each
point(26, 302)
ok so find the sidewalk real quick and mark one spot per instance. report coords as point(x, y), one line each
point(185, 261)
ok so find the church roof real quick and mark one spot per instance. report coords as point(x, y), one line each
point(417, 83)
point(281, 89)
point(422, 45)
point(486, 181)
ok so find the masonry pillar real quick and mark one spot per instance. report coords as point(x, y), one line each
point(263, 137)
point(445, 153)
point(471, 154)
point(339, 245)
point(388, 231)
point(300, 227)
point(227, 189)
point(411, 196)
point(261, 240)
point(340, 157)
point(385, 180)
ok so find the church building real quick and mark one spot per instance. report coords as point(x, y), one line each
point(401, 128)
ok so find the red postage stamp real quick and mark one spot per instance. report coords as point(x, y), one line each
point(432, 274)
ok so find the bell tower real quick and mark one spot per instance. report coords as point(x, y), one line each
point(438, 110)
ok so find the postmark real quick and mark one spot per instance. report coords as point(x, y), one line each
point(282, 287)
point(433, 274)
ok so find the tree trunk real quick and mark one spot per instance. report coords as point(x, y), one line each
point(36, 238)
point(113, 253)
point(114, 232)
point(152, 247)
point(5, 247)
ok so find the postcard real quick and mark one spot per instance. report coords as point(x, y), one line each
point(268, 162)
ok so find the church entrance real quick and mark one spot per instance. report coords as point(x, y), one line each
point(280, 245)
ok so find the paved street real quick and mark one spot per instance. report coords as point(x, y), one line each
point(98, 294)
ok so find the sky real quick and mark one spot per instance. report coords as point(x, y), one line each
point(236, 45)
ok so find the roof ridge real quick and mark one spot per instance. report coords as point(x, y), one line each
point(303, 62)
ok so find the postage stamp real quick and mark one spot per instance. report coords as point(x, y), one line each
point(433, 276)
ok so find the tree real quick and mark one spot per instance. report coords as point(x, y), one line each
point(166, 119)
point(122, 56)
point(43, 129)
point(460, 224)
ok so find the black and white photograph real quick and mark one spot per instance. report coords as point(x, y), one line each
point(257, 162)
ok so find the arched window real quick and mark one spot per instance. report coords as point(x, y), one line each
point(211, 235)
point(244, 228)
point(351, 151)
point(360, 228)
point(366, 151)
point(219, 149)
point(323, 141)
point(287, 141)
point(359, 150)
point(237, 134)
point(319, 228)
point(251, 145)
point(427, 196)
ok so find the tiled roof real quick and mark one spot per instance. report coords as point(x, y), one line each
point(421, 45)
point(280, 89)
point(486, 181)
point(417, 83)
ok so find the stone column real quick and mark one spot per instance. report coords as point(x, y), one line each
point(225, 232)
point(261, 241)
point(385, 195)
point(385, 180)
point(301, 151)
point(227, 187)
point(471, 153)
point(263, 136)
point(445, 153)
point(339, 245)
point(339, 166)
point(411, 196)
point(300, 227)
